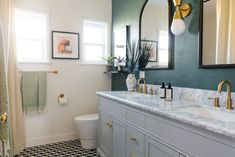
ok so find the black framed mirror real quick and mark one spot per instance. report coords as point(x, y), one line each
point(217, 34)
point(154, 28)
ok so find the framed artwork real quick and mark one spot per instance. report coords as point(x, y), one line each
point(154, 55)
point(65, 45)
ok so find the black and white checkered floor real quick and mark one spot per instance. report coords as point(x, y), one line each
point(61, 149)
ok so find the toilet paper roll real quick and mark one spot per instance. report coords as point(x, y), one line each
point(63, 100)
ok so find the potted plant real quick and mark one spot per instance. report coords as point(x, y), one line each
point(145, 54)
point(133, 55)
point(121, 62)
point(109, 60)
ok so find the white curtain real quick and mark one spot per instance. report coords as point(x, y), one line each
point(15, 106)
point(225, 35)
point(231, 35)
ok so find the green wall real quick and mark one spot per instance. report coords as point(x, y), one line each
point(185, 72)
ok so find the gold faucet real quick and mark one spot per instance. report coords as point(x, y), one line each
point(229, 99)
point(144, 90)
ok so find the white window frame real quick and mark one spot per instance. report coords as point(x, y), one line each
point(105, 44)
point(46, 58)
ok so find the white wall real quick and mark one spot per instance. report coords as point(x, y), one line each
point(78, 82)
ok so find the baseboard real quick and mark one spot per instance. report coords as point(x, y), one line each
point(51, 139)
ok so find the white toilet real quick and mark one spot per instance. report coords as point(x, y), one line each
point(87, 128)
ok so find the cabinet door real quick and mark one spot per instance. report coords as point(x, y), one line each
point(135, 143)
point(118, 138)
point(156, 149)
point(104, 134)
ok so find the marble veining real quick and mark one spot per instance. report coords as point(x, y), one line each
point(183, 98)
point(198, 95)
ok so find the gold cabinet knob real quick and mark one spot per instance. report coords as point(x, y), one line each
point(109, 124)
point(133, 138)
point(3, 118)
point(132, 155)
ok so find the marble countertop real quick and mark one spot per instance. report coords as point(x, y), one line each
point(179, 109)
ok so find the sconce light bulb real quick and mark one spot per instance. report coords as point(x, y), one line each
point(177, 26)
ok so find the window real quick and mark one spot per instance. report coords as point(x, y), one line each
point(31, 36)
point(94, 41)
point(163, 48)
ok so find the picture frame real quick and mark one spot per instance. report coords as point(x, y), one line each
point(154, 57)
point(65, 45)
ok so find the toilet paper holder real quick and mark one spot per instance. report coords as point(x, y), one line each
point(62, 99)
point(61, 95)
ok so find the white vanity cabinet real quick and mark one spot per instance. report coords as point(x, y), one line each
point(112, 136)
point(130, 131)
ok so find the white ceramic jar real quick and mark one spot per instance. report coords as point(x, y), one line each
point(131, 82)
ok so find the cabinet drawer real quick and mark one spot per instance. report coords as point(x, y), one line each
point(135, 143)
point(112, 108)
point(135, 118)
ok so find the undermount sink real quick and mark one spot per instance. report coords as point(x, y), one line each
point(210, 113)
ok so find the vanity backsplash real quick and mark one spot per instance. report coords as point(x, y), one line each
point(205, 97)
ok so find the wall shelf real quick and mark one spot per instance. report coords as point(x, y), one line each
point(109, 73)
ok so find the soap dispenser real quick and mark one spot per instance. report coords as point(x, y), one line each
point(162, 91)
point(142, 89)
point(169, 92)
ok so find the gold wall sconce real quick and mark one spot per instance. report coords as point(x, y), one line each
point(181, 11)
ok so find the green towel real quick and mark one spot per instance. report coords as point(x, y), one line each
point(34, 90)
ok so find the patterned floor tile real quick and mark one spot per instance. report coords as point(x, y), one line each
point(61, 149)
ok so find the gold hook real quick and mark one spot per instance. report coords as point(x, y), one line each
point(3, 118)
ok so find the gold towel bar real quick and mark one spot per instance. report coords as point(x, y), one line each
point(53, 71)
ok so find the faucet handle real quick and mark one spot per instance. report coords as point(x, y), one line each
point(216, 101)
point(151, 90)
